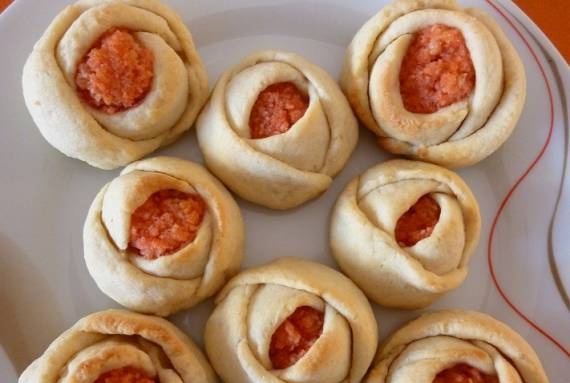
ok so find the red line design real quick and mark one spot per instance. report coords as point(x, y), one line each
point(506, 199)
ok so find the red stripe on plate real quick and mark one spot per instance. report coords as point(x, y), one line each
point(506, 199)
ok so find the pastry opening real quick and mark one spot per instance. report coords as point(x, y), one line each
point(417, 222)
point(276, 109)
point(295, 336)
point(437, 70)
point(165, 222)
point(125, 375)
point(464, 373)
point(116, 73)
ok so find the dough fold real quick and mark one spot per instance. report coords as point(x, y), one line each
point(178, 90)
point(434, 342)
point(284, 170)
point(459, 134)
point(257, 301)
point(114, 339)
point(170, 282)
point(363, 233)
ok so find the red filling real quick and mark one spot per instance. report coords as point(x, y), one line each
point(418, 222)
point(116, 73)
point(276, 109)
point(295, 336)
point(125, 375)
point(463, 373)
point(168, 220)
point(437, 70)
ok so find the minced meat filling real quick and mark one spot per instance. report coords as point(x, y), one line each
point(436, 71)
point(116, 73)
point(295, 336)
point(464, 373)
point(276, 109)
point(168, 220)
point(418, 222)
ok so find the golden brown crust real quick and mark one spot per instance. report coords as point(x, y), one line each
point(439, 340)
point(362, 233)
point(253, 304)
point(112, 339)
point(177, 94)
point(177, 281)
point(460, 134)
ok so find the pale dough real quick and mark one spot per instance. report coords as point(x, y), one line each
point(421, 349)
point(285, 170)
point(254, 303)
point(112, 339)
point(363, 242)
point(178, 91)
point(172, 282)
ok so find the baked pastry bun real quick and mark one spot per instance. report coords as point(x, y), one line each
point(276, 130)
point(435, 81)
point(163, 236)
point(291, 321)
point(456, 346)
point(120, 346)
point(404, 232)
point(113, 80)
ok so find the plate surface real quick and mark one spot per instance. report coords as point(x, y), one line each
point(44, 196)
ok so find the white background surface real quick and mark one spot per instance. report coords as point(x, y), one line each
point(44, 196)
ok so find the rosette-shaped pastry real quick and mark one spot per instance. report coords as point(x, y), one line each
point(277, 129)
point(120, 346)
point(456, 346)
point(404, 232)
point(163, 236)
point(435, 81)
point(291, 321)
point(113, 80)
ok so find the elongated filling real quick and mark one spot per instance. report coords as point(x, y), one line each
point(295, 336)
point(276, 109)
point(464, 373)
point(116, 73)
point(125, 375)
point(437, 70)
point(417, 222)
point(165, 222)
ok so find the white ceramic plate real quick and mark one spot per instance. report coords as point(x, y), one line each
point(44, 196)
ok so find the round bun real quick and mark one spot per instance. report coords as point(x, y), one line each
point(112, 340)
point(165, 284)
point(178, 90)
point(459, 134)
point(241, 333)
point(365, 224)
point(283, 170)
point(441, 340)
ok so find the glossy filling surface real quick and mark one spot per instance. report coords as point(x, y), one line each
point(295, 336)
point(437, 70)
point(116, 73)
point(125, 375)
point(464, 373)
point(276, 109)
point(418, 222)
point(167, 221)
